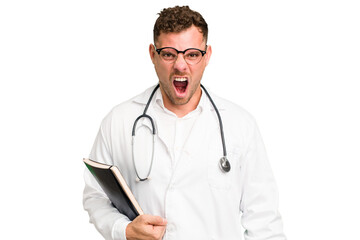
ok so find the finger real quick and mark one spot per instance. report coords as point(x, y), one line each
point(155, 220)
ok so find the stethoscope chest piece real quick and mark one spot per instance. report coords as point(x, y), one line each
point(224, 164)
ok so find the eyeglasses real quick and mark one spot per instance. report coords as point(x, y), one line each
point(192, 56)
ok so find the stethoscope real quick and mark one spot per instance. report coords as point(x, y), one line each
point(224, 163)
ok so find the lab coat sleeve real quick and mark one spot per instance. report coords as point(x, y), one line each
point(106, 218)
point(259, 203)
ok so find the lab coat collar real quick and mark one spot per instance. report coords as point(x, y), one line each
point(144, 97)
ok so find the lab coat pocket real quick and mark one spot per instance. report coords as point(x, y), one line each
point(219, 179)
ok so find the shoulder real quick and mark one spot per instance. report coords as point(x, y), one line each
point(237, 121)
point(232, 110)
point(127, 110)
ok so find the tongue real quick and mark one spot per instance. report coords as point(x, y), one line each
point(180, 86)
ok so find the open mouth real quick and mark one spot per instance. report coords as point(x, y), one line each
point(180, 84)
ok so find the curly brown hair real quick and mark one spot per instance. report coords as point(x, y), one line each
point(177, 19)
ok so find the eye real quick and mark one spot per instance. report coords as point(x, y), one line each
point(167, 55)
point(194, 54)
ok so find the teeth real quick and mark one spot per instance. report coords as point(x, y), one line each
point(180, 79)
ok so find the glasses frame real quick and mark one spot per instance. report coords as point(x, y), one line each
point(183, 52)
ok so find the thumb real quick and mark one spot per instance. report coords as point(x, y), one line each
point(156, 220)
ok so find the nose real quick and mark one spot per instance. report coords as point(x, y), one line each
point(180, 63)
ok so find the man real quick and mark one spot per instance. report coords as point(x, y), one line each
point(188, 196)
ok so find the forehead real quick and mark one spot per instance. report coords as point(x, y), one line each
point(189, 38)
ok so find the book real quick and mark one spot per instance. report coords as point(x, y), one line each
point(114, 185)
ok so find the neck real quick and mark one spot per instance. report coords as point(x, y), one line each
point(181, 110)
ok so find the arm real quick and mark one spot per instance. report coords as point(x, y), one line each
point(106, 218)
point(259, 203)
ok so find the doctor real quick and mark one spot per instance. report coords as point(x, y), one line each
point(186, 193)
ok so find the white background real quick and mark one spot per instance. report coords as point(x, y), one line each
point(293, 64)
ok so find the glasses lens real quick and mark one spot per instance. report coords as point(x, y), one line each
point(193, 56)
point(168, 54)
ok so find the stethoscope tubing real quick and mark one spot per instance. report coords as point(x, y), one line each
point(220, 121)
point(224, 163)
point(145, 115)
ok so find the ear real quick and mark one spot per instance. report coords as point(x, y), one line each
point(208, 54)
point(152, 52)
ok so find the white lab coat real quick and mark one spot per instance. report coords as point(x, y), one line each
point(187, 186)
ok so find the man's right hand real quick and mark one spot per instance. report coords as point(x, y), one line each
point(146, 227)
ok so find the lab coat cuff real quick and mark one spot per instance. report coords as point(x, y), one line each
point(119, 229)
